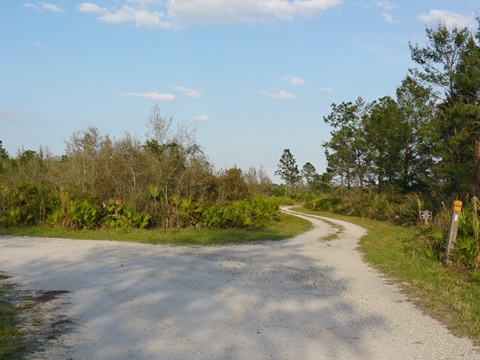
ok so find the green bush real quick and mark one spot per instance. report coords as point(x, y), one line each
point(212, 217)
point(241, 213)
point(394, 208)
point(90, 214)
point(117, 215)
point(466, 249)
point(323, 203)
point(28, 203)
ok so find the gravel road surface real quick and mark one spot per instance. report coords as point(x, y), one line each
point(296, 299)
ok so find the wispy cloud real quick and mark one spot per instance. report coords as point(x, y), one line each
point(278, 94)
point(294, 80)
point(179, 13)
point(190, 93)
point(201, 118)
point(150, 95)
point(138, 15)
point(201, 11)
point(387, 8)
point(42, 7)
point(91, 8)
point(449, 18)
point(386, 5)
point(327, 89)
point(380, 52)
point(9, 116)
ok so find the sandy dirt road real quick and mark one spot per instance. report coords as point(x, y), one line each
point(296, 299)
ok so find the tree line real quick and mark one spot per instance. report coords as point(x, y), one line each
point(393, 157)
point(426, 139)
point(165, 181)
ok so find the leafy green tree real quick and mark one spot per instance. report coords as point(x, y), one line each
point(233, 185)
point(288, 171)
point(450, 65)
point(416, 106)
point(384, 147)
point(320, 182)
point(440, 59)
point(3, 158)
point(346, 151)
point(340, 158)
point(308, 172)
point(315, 183)
point(310, 176)
point(3, 152)
point(27, 155)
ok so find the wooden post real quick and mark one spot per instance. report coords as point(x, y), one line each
point(452, 231)
point(426, 217)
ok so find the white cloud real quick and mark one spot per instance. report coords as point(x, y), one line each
point(201, 118)
point(139, 15)
point(136, 16)
point(51, 7)
point(387, 7)
point(222, 11)
point(294, 80)
point(41, 7)
point(176, 13)
point(151, 95)
point(327, 89)
point(91, 8)
point(143, 2)
point(190, 93)
point(278, 95)
point(448, 17)
point(388, 17)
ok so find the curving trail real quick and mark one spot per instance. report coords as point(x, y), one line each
point(295, 299)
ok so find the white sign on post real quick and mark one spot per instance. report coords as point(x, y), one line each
point(425, 215)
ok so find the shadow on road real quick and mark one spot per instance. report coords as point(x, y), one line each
point(272, 300)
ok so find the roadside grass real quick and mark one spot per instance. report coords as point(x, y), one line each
point(14, 343)
point(446, 294)
point(333, 236)
point(27, 324)
point(287, 227)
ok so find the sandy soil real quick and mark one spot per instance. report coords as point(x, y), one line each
point(296, 299)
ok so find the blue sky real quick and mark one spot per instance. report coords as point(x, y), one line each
point(253, 76)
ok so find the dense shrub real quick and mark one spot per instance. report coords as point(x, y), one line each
point(241, 213)
point(163, 182)
point(28, 203)
point(466, 250)
point(88, 213)
point(323, 203)
point(395, 208)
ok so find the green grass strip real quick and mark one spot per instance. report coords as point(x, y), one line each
point(287, 227)
point(12, 344)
